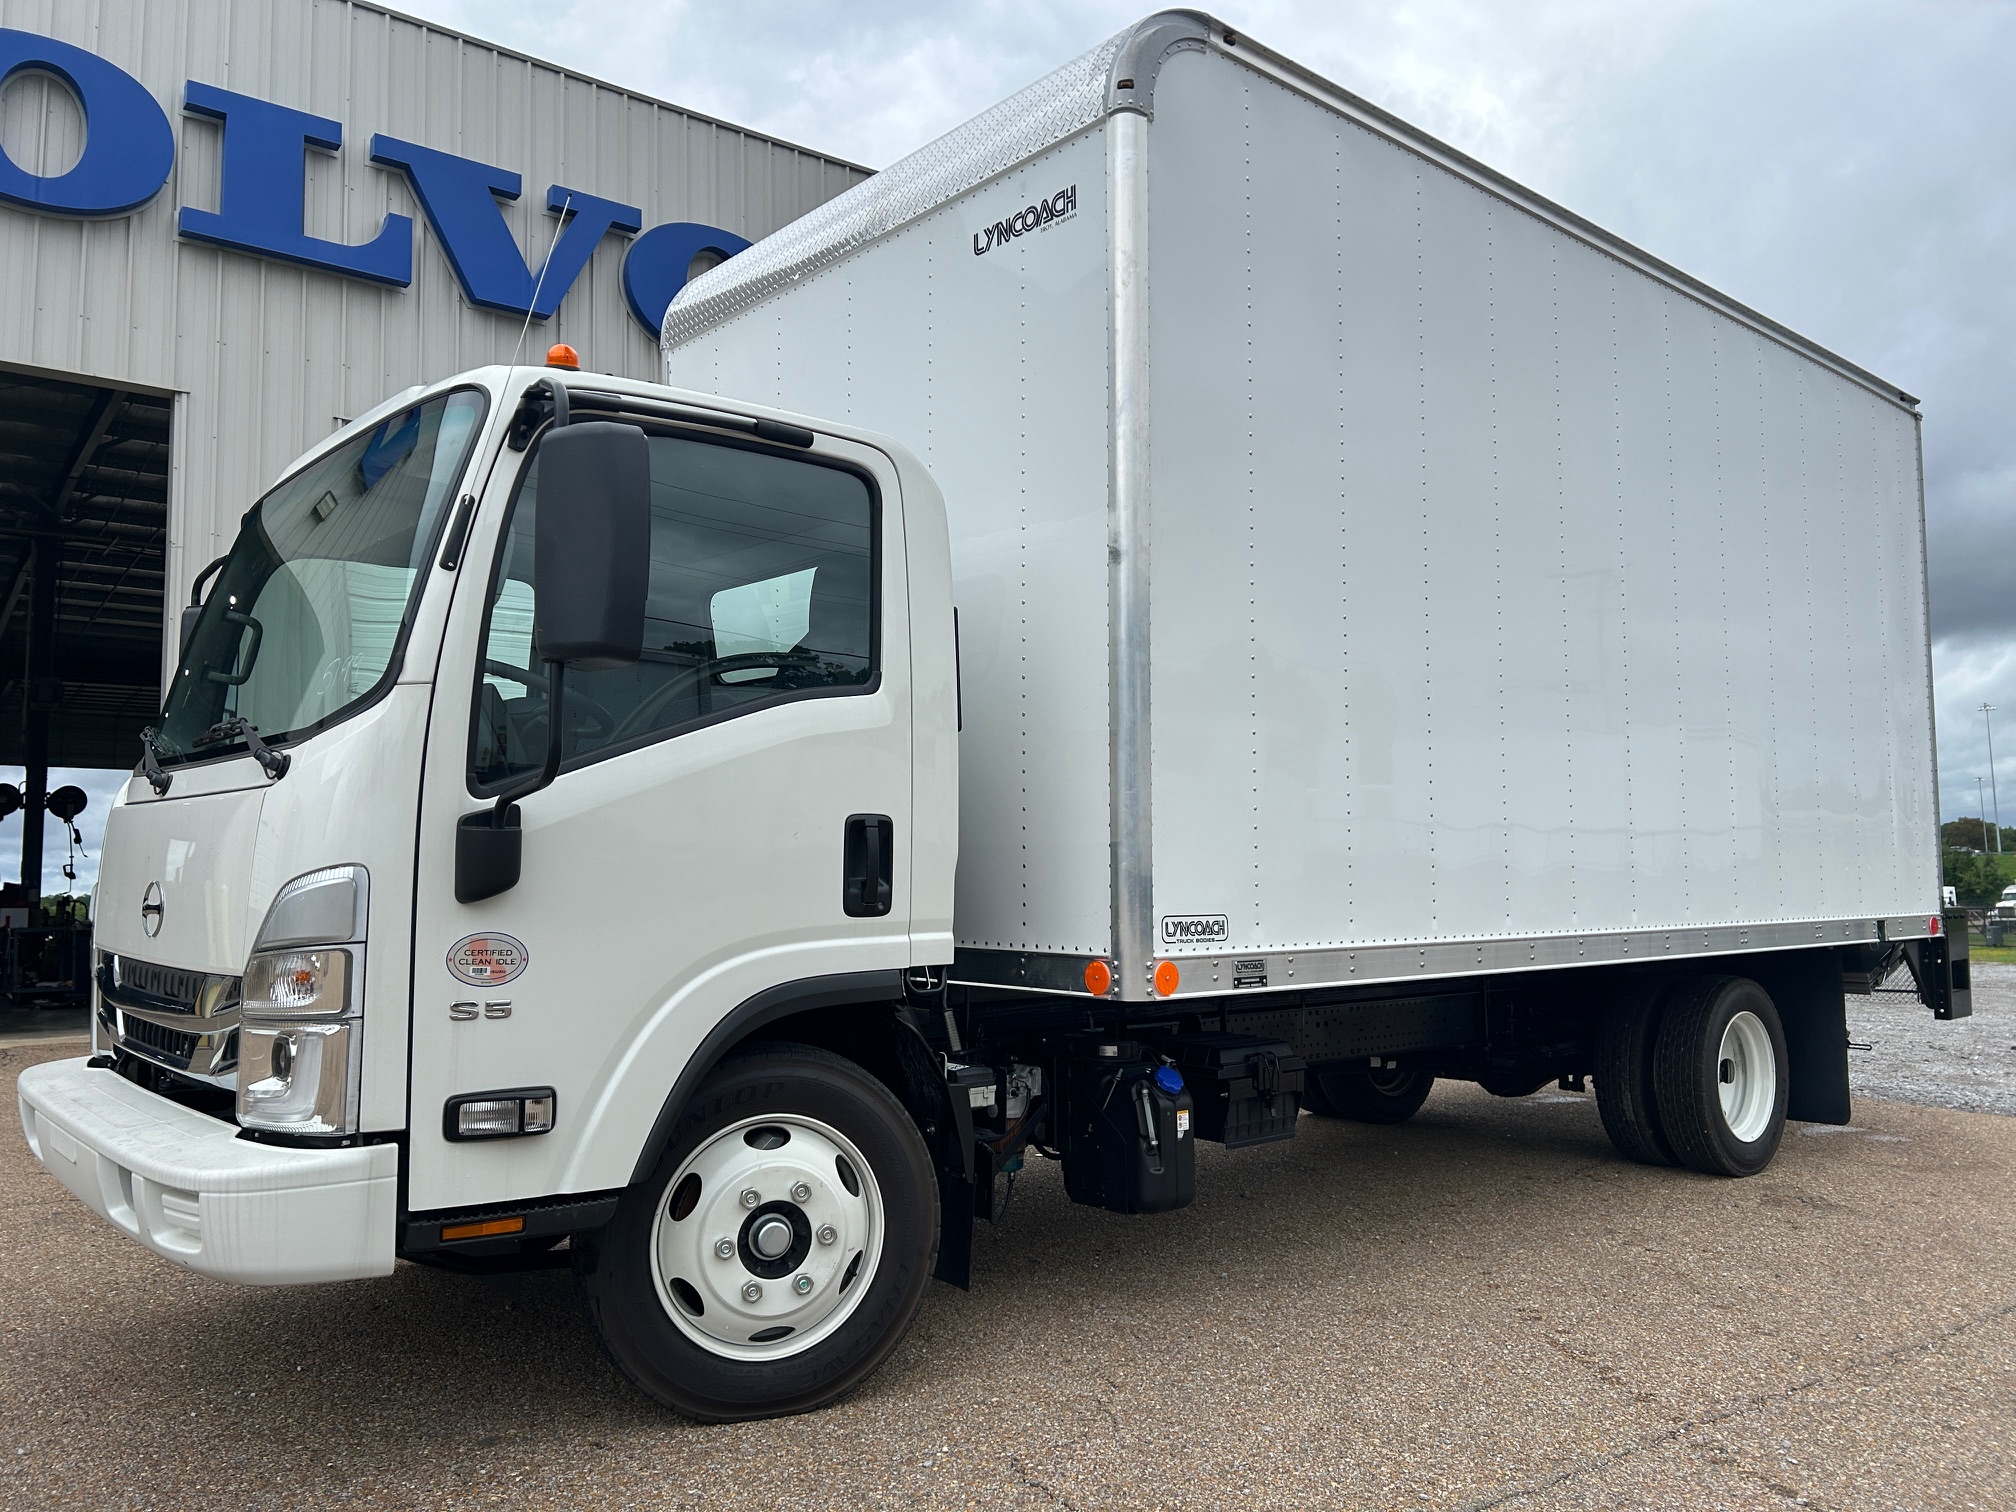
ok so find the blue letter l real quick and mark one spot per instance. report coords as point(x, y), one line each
point(260, 207)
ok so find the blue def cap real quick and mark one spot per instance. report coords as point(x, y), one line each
point(1169, 1079)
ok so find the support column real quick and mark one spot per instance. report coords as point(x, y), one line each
point(39, 698)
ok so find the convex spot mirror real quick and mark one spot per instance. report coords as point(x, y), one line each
point(592, 544)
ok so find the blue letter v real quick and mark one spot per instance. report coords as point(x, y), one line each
point(460, 197)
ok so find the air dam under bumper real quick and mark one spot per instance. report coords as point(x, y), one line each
point(188, 1188)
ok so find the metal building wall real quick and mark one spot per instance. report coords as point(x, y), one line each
point(268, 354)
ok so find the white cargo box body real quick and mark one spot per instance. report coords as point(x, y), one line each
point(1366, 569)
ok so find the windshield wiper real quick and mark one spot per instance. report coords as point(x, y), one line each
point(150, 764)
point(238, 727)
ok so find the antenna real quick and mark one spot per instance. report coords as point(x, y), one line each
point(540, 283)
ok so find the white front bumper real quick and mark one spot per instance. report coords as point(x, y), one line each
point(187, 1187)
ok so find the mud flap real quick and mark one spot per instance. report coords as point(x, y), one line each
point(937, 1096)
point(1806, 989)
point(955, 1230)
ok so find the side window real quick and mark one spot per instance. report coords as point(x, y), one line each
point(763, 573)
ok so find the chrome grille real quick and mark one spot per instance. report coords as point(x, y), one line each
point(184, 1020)
point(171, 1045)
point(168, 983)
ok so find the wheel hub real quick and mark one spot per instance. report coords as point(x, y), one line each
point(1747, 1077)
point(767, 1237)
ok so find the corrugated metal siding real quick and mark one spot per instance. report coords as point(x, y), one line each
point(268, 354)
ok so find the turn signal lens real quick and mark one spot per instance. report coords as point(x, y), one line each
point(297, 984)
point(1167, 977)
point(499, 1115)
point(561, 355)
point(1098, 978)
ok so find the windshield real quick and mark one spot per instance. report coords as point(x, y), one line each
point(307, 617)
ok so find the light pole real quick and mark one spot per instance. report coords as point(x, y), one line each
point(1986, 710)
point(1981, 802)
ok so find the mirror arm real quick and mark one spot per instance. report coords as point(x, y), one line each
point(196, 588)
point(193, 610)
point(555, 734)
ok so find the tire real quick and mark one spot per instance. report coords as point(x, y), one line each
point(1626, 1040)
point(1721, 1077)
point(846, 1205)
point(1353, 1090)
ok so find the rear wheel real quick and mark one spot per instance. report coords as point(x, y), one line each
point(779, 1250)
point(1721, 1076)
point(1359, 1091)
point(1625, 1096)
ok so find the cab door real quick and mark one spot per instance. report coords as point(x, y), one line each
point(695, 849)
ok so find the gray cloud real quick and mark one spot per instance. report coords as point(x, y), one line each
point(1842, 165)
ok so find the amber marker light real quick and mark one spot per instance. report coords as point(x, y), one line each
point(1167, 977)
point(1098, 978)
point(489, 1228)
point(561, 355)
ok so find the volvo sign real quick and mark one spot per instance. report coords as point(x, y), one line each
point(129, 153)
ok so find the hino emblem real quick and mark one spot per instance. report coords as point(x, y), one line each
point(151, 910)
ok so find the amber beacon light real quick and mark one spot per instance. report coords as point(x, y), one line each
point(561, 355)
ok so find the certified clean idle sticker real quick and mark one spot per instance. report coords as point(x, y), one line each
point(488, 960)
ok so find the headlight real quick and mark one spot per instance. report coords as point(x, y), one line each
point(297, 1079)
point(300, 1033)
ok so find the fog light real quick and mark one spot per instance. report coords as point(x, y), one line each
point(499, 1115)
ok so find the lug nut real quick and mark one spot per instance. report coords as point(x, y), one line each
point(801, 1194)
point(802, 1285)
point(827, 1233)
point(751, 1292)
point(724, 1248)
point(750, 1197)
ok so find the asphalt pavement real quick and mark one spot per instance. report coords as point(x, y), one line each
point(1483, 1308)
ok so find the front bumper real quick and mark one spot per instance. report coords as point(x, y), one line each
point(184, 1184)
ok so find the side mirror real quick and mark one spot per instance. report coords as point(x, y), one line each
point(591, 556)
point(592, 550)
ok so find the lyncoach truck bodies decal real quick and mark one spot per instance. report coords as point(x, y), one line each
point(1195, 929)
point(1060, 206)
point(129, 156)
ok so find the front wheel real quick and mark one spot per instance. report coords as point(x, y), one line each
point(780, 1249)
point(1721, 1076)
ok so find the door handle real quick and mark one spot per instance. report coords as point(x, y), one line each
point(867, 884)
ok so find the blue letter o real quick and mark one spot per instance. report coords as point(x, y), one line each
point(655, 267)
point(129, 147)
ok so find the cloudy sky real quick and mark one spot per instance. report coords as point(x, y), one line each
point(1848, 168)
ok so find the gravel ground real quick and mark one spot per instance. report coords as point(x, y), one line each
point(1969, 1063)
point(1485, 1308)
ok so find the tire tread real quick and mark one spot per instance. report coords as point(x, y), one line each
point(1626, 1098)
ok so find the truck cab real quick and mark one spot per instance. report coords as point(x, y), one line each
point(393, 958)
point(2005, 906)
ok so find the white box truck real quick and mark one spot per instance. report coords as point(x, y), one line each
point(1375, 627)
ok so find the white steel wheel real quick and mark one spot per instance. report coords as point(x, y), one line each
point(766, 1237)
point(780, 1145)
point(1746, 1076)
point(1720, 1076)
